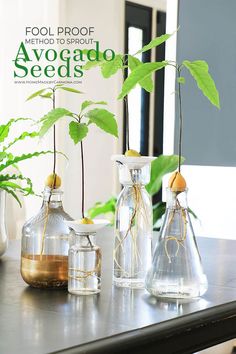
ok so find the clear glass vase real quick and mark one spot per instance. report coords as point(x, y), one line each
point(84, 268)
point(176, 270)
point(44, 245)
point(133, 228)
point(3, 231)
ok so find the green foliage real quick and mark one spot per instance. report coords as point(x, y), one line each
point(199, 71)
point(158, 211)
point(87, 104)
point(139, 74)
point(12, 183)
point(48, 91)
point(107, 209)
point(155, 42)
point(47, 95)
point(20, 158)
point(147, 83)
point(5, 128)
point(181, 80)
point(77, 131)
point(95, 62)
point(36, 94)
point(22, 136)
point(160, 167)
point(51, 118)
point(109, 68)
point(104, 120)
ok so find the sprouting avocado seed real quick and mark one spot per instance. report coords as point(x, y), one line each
point(53, 181)
point(177, 182)
point(86, 221)
point(132, 153)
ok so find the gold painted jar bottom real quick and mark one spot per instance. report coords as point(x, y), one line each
point(45, 271)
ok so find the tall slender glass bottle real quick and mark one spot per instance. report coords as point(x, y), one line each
point(44, 246)
point(133, 225)
point(176, 270)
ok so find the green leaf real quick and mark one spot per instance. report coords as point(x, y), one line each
point(26, 190)
point(70, 89)
point(86, 104)
point(91, 64)
point(104, 120)
point(181, 80)
point(109, 68)
point(4, 131)
point(160, 167)
point(192, 213)
point(23, 157)
point(199, 71)
point(47, 95)
point(12, 193)
point(147, 83)
point(155, 42)
point(5, 128)
point(103, 208)
point(51, 118)
point(138, 74)
point(21, 137)
point(158, 211)
point(78, 131)
point(37, 93)
point(3, 155)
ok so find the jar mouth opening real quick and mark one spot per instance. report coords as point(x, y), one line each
point(85, 233)
point(48, 190)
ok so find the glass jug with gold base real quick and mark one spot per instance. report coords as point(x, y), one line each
point(44, 245)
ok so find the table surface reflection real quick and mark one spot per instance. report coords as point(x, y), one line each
point(46, 321)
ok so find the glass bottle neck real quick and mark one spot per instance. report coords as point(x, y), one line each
point(87, 240)
point(53, 198)
point(176, 200)
point(131, 176)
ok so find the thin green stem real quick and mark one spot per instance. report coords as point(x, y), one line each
point(126, 103)
point(54, 136)
point(180, 119)
point(78, 119)
point(82, 177)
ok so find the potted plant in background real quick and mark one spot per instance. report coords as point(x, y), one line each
point(43, 268)
point(13, 183)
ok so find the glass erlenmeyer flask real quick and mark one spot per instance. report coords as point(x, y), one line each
point(133, 226)
point(176, 270)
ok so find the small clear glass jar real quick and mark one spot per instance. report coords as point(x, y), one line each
point(133, 227)
point(84, 264)
point(45, 244)
point(176, 270)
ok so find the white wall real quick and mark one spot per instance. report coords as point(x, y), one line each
point(14, 16)
point(107, 16)
point(99, 147)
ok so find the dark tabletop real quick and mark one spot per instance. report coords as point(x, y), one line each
point(117, 320)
